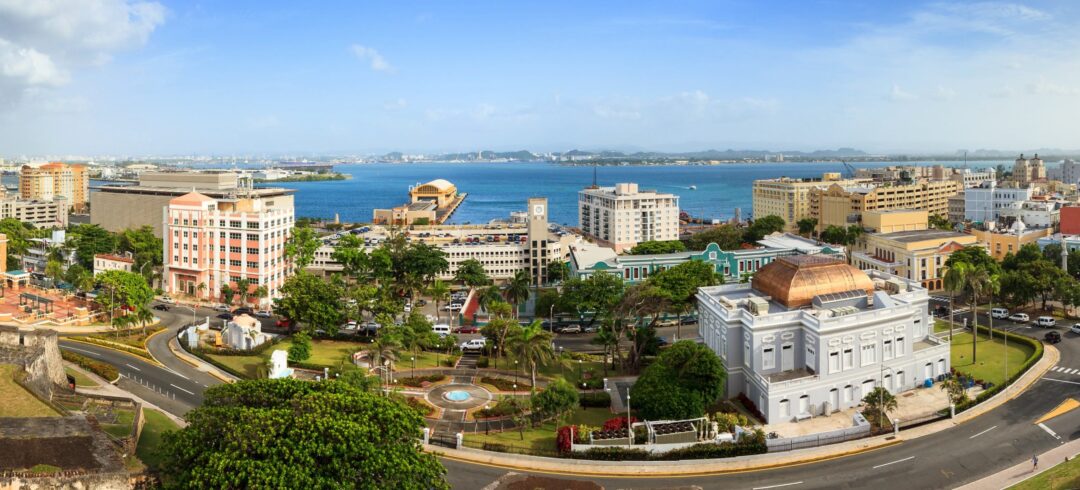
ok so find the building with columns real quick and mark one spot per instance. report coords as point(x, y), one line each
point(1027, 172)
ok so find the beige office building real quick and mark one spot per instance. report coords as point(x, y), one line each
point(917, 255)
point(623, 216)
point(790, 198)
point(55, 179)
point(117, 208)
point(840, 205)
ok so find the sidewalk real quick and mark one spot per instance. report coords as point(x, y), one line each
point(1022, 471)
point(180, 353)
point(106, 388)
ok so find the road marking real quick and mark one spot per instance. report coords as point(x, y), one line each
point(133, 367)
point(778, 486)
point(1048, 431)
point(1067, 405)
point(95, 354)
point(983, 432)
point(1061, 381)
point(909, 458)
point(181, 389)
point(1058, 369)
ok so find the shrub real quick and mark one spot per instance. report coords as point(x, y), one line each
point(417, 381)
point(99, 368)
point(505, 384)
point(419, 406)
point(563, 439)
point(503, 408)
point(1037, 354)
point(557, 399)
point(615, 453)
point(596, 399)
point(726, 422)
point(483, 362)
point(300, 350)
point(619, 423)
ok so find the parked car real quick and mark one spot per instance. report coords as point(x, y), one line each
point(243, 310)
point(1052, 337)
point(350, 325)
point(689, 320)
point(161, 307)
point(263, 313)
point(468, 329)
point(441, 330)
point(166, 299)
point(1019, 317)
point(941, 310)
point(408, 308)
point(1075, 328)
point(283, 323)
point(999, 313)
point(571, 329)
point(421, 302)
point(370, 328)
point(225, 316)
point(1046, 321)
point(224, 308)
point(474, 344)
point(591, 329)
point(661, 341)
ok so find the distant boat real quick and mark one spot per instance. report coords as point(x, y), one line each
point(693, 187)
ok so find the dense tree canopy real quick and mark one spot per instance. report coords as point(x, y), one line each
point(311, 301)
point(683, 380)
point(593, 295)
point(727, 237)
point(557, 399)
point(301, 246)
point(658, 247)
point(763, 226)
point(90, 240)
point(471, 273)
point(286, 433)
point(122, 288)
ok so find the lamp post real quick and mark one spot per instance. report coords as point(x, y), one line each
point(495, 354)
point(629, 428)
point(551, 318)
point(413, 371)
point(560, 360)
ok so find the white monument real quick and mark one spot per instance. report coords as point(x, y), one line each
point(279, 365)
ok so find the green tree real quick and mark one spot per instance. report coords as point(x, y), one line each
point(764, 226)
point(345, 437)
point(834, 234)
point(939, 222)
point(607, 338)
point(123, 289)
point(488, 296)
point(557, 271)
point(498, 330)
point(558, 399)
point(593, 295)
point(954, 389)
point(243, 290)
point(680, 384)
point(681, 284)
point(471, 273)
point(354, 260)
point(879, 402)
point(300, 350)
point(976, 256)
point(90, 240)
point(439, 292)
point(533, 346)
point(301, 246)
point(517, 291)
point(955, 282)
point(807, 226)
point(314, 303)
point(658, 247)
point(227, 293)
point(144, 247)
point(727, 237)
point(54, 269)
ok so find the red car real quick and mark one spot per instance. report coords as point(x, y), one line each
point(468, 330)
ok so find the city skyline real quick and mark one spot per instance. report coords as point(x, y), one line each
point(136, 77)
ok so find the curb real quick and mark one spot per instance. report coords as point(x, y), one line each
point(213, 371)
point(541, 464)
point(143, 359)
point(146, 343)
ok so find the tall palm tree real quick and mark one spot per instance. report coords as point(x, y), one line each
point(439, 292)
point(609, 340)
point(956, 279)
point(200, 288)
point(261, 293)
point(978, 282)
point(533, 345)
point(143, 316)
point(518, 289)
point(489, 296)
point(384, 349)
point(993, 287)
point(243, 290)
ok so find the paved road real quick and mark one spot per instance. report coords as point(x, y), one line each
point(168, 389)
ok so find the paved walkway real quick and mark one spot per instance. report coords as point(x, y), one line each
point(1020, 472)
point(106, 388)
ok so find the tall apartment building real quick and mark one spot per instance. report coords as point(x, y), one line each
point(117, 208)
point(790, 198)
point(843, 206)
point(1026, 172)
point(52, 180)
point(41, 214)
point(986, 202)
point(623, 216)
point(1068, 172)
point(910, 173)
point(210, 242)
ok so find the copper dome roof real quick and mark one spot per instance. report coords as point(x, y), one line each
point(794, 281)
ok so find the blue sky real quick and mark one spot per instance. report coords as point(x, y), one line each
point(143, 77)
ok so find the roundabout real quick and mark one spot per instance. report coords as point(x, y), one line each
point(458, 396)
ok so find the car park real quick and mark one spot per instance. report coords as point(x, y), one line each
point(999, 313)
point(1052, 337)
point(161, 307)
point(1046, 321)
point(1019, 317)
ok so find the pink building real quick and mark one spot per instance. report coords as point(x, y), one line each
point(212, 242)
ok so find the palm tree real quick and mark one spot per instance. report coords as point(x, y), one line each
point(879, 402)
point(955, 282)
point(243, 290)
point(518, 289)
point(143, 316)
point(383, 349)
point(120, 323)
point(978, 282)
point(261, 292)
point(439, 291)
point(533, 345)
point(200, 288)
point(489, 296)
point(993, 287)
point(607, 339)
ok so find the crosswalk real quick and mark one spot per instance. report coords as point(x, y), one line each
point(1065, 370)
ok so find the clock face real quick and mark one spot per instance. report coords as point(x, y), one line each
point(538, 209)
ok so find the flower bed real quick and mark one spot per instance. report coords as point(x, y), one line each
point(420, 381)
point(505, 384)
point(99, 368)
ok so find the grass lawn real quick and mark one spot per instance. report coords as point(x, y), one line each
point(572, 370)
point(1064, 475)
point(542, 438)
point(424, 360)
point(991, 357)
point(156, 423)
point(941, 326)
point(122, 427)
point(17, 401)
point(130, 337)
point(80, 378)
point(328, 353)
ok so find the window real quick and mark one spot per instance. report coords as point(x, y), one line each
point(811, 358)
point(849, 358)
point(746, 353)
point(768, 358)
point(253, 237)
point(235, 250)
point(887, 350)
point(235, 263)
point(899, 346)
point(847, 394)
point(868, 354)
point(253, 265)
point(834, 362)
point(234, 224)
point(253, 225)
point(236, 236)
point(176, 246)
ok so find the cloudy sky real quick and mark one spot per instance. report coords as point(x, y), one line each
point(165, 77)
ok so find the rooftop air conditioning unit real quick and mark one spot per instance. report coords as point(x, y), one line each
point(758, 305)
point(895, 286)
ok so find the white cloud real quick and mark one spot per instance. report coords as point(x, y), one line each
point(898, 94)
point(1044, 87)
point(396, 104)
point(944, 93)
point(43, 41)
point(376, 60)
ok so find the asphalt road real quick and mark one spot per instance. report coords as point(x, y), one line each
point(1004, 437)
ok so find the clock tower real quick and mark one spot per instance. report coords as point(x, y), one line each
point(538, 239)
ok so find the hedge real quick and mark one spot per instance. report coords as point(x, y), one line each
point(418, 381)
point(254, 351)
point(106, 371)
point(597, 399)
point(751, 445)
point(1035, 357)
point(505, 384)
point(117, 346)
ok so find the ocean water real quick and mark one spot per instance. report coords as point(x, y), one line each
point(496, 189)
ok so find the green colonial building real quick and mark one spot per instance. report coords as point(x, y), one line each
point(732, 265)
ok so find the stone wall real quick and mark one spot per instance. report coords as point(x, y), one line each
point(42, 343)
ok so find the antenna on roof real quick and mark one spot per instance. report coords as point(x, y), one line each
point(594, 176)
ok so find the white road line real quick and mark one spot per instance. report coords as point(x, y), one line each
point(1061, 381)
point(909, 458)
point(778, 486)
point(181, 389)
point(95, 354)
point(1073, 371)
point(983, 432)
point(1057, 369)
point(133, 367)
point(1048, 431)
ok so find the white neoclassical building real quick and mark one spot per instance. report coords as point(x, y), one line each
point(810, 335)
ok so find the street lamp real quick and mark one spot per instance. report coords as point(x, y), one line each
point(413, 372)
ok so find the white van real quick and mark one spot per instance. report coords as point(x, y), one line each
point(1046, 321)
point(999, 313)
point(474, 344)
point(441, 329)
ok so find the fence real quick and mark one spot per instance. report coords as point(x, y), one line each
point(861, 429)
point(512, 448)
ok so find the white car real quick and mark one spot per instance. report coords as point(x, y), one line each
point(263, 313)
point(350, 325)
point(999, 313)
point(166, 299)
point(474, 344)
point(1075, 328)
point(571, 329)
point(408, 308)
point(222, 308)
point(1019, 317)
